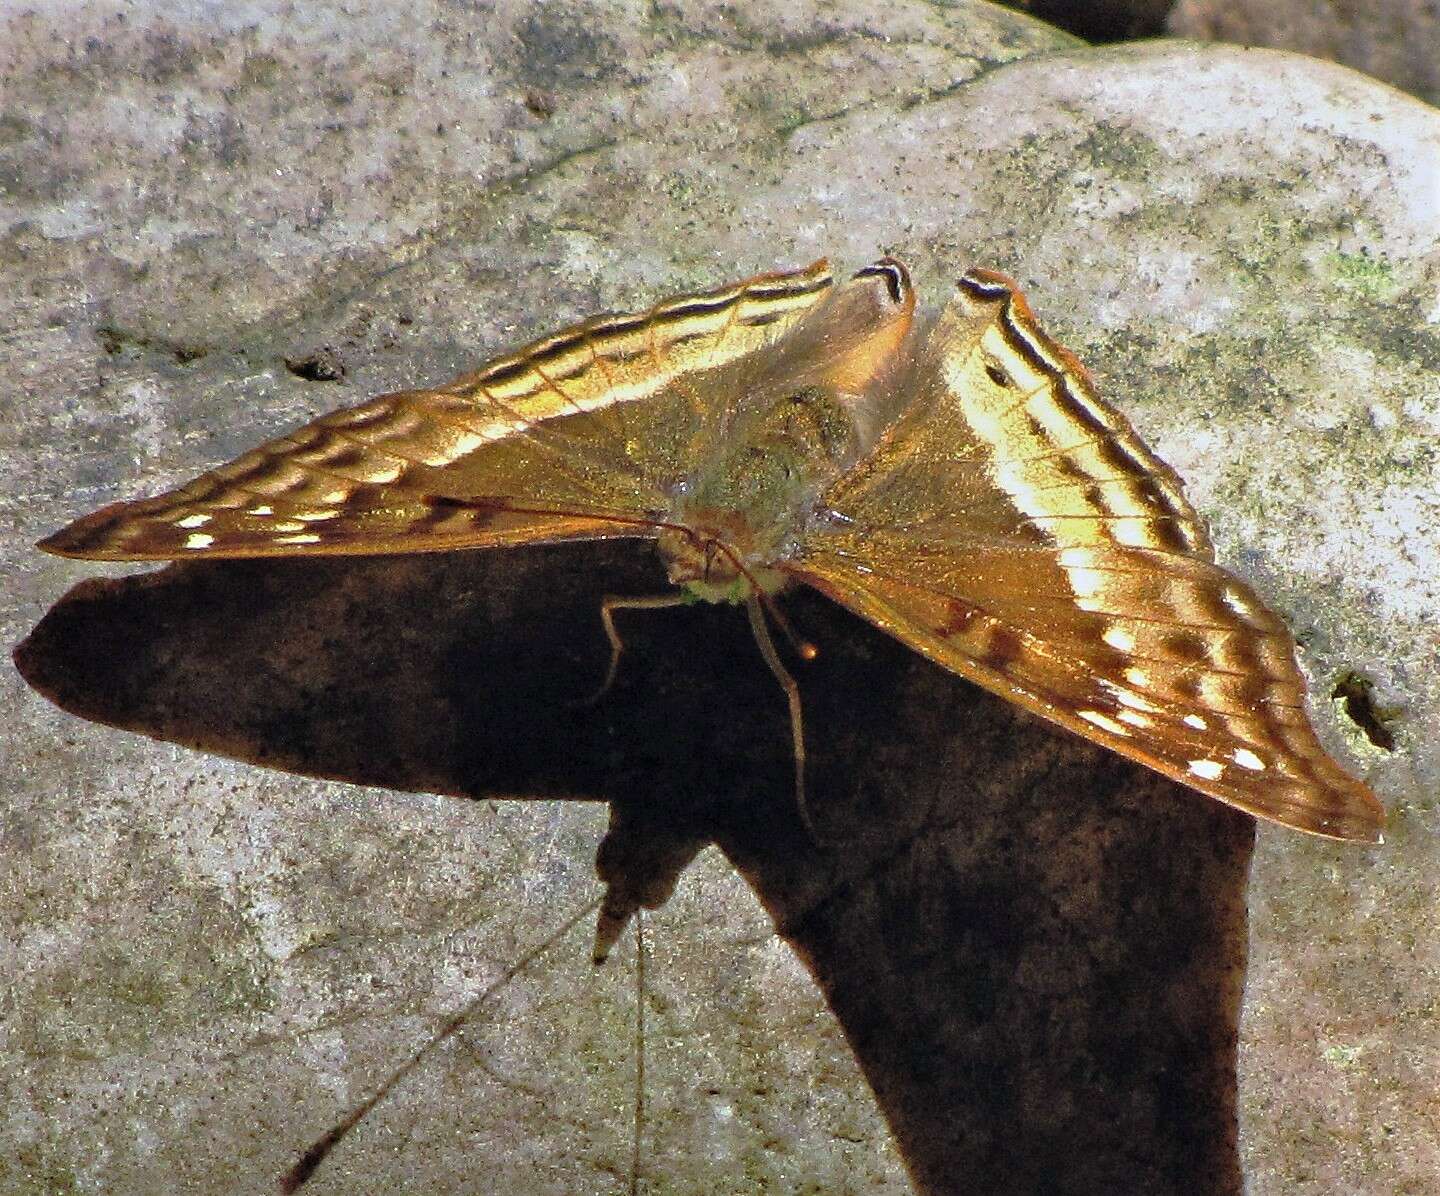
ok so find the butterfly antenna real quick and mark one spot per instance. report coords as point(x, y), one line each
point(310, 1161)
point(803, 648)
point(756, 610)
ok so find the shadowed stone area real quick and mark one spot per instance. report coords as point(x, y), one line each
point(1035, 949)
point(1397, 41)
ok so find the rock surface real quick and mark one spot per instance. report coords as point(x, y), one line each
point(215, 960)
point(1394, 40)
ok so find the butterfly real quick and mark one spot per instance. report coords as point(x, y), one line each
point(956, 481)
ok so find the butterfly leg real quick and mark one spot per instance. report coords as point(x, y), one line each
point(608, 606)
point(756, 610)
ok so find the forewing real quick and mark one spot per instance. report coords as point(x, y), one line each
point(1014, 529)
point(579, 435)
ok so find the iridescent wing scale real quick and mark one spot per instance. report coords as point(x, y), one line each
point(1014, 529)
point(576, 436)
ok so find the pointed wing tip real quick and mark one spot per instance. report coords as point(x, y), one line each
point(982, 277)
point(70, 541)
point(113, 533)
point(1351, 831)
point(1346, 831)
point(1364, 819)
point(815, 272)
point(53, 544)
point(89, 538)
point(1357, 818)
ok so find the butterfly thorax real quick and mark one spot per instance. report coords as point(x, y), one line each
point(738, 516)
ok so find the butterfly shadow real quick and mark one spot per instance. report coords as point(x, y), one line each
point(1035, 948)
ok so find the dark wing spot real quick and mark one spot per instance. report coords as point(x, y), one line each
point(1147, 491)
point(1116, 458)
point(1002, 649)
point(1186, 646)
point(997, 375)
point(1242, 653)
point(1169, 536)
point(349, 458)
point(1188, 685)
point(958, 619)
point(1251, 689)
point(441, 509)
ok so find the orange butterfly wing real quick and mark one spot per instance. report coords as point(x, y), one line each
point(576, 436)
point(1009, 525)
point(1014, 529)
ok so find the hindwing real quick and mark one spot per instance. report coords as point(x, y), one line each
point(1013, 528)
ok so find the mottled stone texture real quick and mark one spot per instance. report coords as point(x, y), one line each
point(208, 962)
point(1394, 40)
point(1397, 41)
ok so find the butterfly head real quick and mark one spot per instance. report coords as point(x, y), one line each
point(717, 558)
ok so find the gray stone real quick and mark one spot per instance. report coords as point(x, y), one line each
point(1394, 40)
point(209, 962)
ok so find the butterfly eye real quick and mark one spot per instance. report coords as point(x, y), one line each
point(997, 375)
